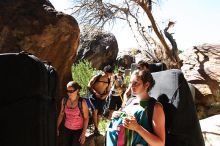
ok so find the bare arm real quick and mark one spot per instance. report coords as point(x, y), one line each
point(85, 116)
point(158, 126)
point(85, 121)
point(91, 83)
point(126, 95)
point(60, 117)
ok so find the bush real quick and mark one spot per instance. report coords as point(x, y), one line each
point(115, 69)
point(127, 80)
point(103, 125)
point(82, 73)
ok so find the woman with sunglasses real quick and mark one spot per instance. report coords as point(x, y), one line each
point(76, 121)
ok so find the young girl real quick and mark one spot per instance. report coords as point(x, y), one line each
point(141, 83)
point(76, 122)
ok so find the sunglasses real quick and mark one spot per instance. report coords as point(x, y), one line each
point(139, 67)
point(71, 91)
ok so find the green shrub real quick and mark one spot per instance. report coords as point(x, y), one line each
point(127, 80)
point(82, 73)
point(115, 69)
point(103, 125)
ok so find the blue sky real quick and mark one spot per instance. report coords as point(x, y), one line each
point(197, 22)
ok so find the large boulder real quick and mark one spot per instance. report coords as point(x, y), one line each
point(36, 27)
point(93, 140)
point(99, 48)
point(132, 55)
point(201, 68)
point(129, 56)
point(125, 61)
point(211, 130)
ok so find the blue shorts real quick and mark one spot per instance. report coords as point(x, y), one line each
point(97, 104)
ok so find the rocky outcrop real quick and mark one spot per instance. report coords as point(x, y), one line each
point(126, 58)
point(93, 140)
point(201, 68)
point(36, 27)
point(99, 48)
point(143, 55)
point(125, 61)
point(211, 130)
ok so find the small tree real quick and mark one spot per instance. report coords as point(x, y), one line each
point(82, 72)
point(100, 13)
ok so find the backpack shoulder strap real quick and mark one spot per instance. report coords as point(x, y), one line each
point(122, 77)
point(130, 100)
point(65, 98)
point(109, 81)
point(97, 77)
point(150, 110)
point(80, 106)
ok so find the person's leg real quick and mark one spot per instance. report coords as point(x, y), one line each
point(95, 118)
point(98, 119)
point(100, 104)
point(112, 107)
point(76, 136)
point(118, 102)
point(94, 102)
point(67, 137)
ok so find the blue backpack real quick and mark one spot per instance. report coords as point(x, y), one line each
point(117, 135)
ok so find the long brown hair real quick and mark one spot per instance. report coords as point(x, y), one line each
point(145, 76)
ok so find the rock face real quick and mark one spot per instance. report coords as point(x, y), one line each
point(95, 140)
point(126, 58)
point(34, 26)
point(125, 61)
point(211, 130)
point(99, 48)
point(201, 68)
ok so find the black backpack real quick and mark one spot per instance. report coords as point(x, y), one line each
point(182, 125)
point(79, 104)
point(27, 101)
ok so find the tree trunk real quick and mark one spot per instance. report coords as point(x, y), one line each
point(170, 60)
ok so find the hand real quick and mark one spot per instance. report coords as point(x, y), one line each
point(123, 104)
point(116, 114)
point(130, 123)
point(82, 138)
point(58, 132)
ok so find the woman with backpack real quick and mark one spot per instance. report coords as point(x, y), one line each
point(146, 129)
point(74, 111)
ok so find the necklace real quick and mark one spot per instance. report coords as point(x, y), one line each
point(72, 103)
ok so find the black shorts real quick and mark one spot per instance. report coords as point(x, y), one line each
point(98, 104)
point(115, 103)
point(71, 137)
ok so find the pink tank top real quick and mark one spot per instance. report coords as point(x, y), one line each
point(74, 119)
